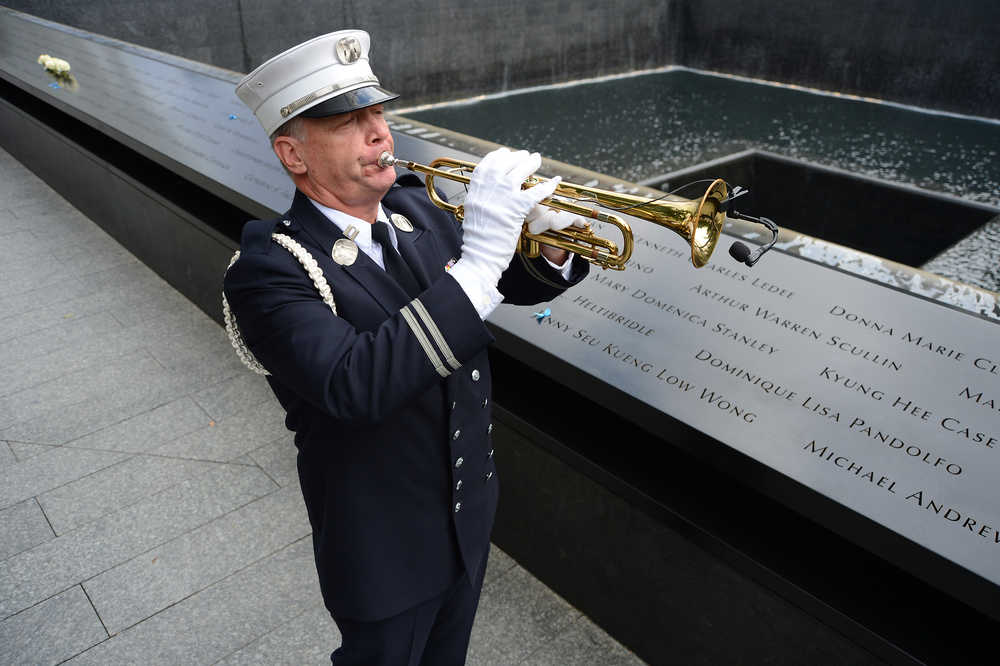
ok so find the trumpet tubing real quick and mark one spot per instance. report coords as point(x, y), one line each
point(698, 221)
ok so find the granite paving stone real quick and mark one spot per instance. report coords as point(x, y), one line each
point(223, 618)
point(10, 223)
point(52, 220)
point(115, 377)
point(278, 459)
point(25, 450)
point(35, 574)
point(61, 425)
point(85, 240)
point(79, 502)
point(29, 203)
point(147, 430)
point(72, 236)
point(22, 526)
point(55, 272)
point(13, 271)
point(308, 638)
point(118, 279)
point(212, 346)
point(175, 324)
point(53, 354)
point(86, 342)
point(517, 615)
point(40, 331)
point(29, 189)
point(151, 302)
point(49, 203)
point(23, 243)
point(212, 361)
point(148, 583)
point(45, 203)
point(116, 299)
point(49, 470)
point(498, 564)
point(232, 436)
point(7, 457)
point(245, 460)
point(234, 394)
point(52, 631)
point(100, 409)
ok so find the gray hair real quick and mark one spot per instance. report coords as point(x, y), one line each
point(293, 127)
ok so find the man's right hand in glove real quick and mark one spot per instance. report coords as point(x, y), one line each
point(495, 209)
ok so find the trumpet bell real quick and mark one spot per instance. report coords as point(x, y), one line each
point(698, 221)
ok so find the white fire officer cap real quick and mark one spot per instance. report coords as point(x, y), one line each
point(327, 75)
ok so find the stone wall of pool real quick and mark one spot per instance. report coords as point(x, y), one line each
point(928, 53)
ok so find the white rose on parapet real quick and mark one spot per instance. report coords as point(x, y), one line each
point(56, 66)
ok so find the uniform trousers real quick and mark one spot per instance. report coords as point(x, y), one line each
point(433, 633)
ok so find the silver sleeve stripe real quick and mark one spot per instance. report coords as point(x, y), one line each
point(435, 332)
point(424, 342)
point(533, 272)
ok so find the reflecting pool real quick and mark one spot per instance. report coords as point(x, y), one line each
point(638, 127)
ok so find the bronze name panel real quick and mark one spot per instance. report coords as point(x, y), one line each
point(885, 402)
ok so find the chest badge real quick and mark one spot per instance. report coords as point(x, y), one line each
point(401, 223)
point(345, 252)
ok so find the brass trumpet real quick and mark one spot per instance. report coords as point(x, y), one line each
point(698, 221)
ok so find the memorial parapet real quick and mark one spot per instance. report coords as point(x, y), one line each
point(174, 111)
point(848, 380)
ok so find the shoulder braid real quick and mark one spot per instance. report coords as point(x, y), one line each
point(312, 269)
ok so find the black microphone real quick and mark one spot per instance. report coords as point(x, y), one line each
point(739, 251)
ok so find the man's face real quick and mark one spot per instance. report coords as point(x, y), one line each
point(341, 154)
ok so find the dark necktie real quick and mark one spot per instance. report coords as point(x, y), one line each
point(394, 263)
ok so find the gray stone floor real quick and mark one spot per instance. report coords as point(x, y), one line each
point(149, 506)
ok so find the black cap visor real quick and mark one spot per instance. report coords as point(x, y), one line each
point(350, 101)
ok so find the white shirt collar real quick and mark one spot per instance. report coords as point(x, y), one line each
point(364, 235)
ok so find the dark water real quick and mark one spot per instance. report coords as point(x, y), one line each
point(642, 126)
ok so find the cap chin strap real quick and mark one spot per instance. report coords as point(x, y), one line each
point(314, 271)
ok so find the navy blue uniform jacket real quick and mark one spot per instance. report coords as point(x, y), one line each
point(389, 400)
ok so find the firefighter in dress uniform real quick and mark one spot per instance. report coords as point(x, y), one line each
point(365, 305)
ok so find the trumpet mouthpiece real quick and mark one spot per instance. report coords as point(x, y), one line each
point(386, 159)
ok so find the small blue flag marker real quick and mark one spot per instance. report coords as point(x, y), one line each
point(539, 316)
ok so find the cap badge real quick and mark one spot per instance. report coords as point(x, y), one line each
point(344, 251)
point(400, 222)
point(348, 50)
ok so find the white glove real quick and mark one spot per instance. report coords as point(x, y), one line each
point(542, 218)
point(494, 215)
